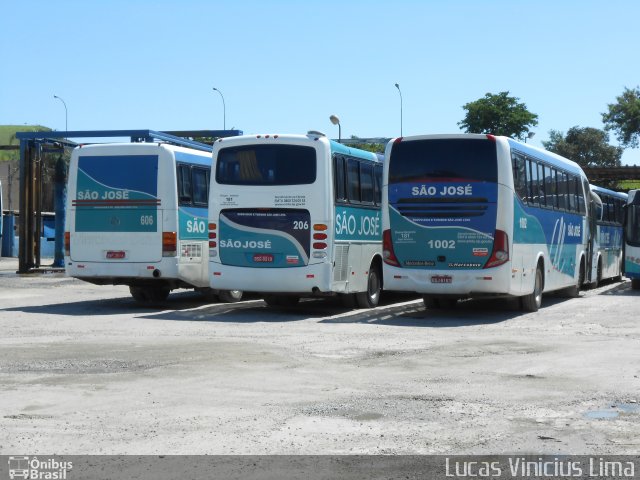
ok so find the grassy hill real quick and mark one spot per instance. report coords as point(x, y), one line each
point(7, 137)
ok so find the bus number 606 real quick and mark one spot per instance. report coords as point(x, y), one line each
point(146, 220)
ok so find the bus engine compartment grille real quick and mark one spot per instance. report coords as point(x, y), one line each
point(341, 265)
point(191, 252)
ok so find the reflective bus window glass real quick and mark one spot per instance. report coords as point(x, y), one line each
point(339, 177)
point(453, 160)
point(366, 183)
point(200, 184)
point(266, 165)
point(184, 184)
point(353, 180)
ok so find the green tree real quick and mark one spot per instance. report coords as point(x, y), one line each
point(589, 147)
point(623, 117)
point(499, 115)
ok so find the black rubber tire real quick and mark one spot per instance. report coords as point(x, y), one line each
point(371, 297)
point(532, 302)
point(230, 296)
point(149, 295)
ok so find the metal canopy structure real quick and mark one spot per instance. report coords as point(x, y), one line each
point(33, 144)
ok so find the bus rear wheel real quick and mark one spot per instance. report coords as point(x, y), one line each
point(230, 296)
point(532, 302)
point(371, 297)
point(635, 283)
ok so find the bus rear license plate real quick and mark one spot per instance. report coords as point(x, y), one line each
point(263, 258)
point(441, 279)
point(116, 254)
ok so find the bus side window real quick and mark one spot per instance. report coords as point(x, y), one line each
point(562, 191)
point(378, 179)
point(582, 208)
point(543, 195)
point(366, 183)
point(200, 184)
point(533, 182)
point(519, 176)
point(339, 178)
point(550, 187)
point(184, 184)
point(353, 180)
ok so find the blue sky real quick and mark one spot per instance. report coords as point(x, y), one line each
point(285, 66)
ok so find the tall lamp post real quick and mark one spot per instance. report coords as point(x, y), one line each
point(224, 109)
point(400, 92)
point(66, 124)
point(529, 136)
point(336, 121)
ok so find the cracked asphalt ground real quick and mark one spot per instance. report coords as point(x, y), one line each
point(85, 370)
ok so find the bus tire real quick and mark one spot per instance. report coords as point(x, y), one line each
point(230, 296)
point(598, 280)
point(532, 302)
point(581, 274)
point(635, 283)
point(371, 297)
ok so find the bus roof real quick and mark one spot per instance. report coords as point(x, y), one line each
point(613, 193)
point(335, 147)
point(538, 153)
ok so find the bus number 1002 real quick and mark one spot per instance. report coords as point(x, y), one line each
point(441, 243)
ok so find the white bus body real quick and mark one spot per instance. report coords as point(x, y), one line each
point(284, 221)
point(136, 216)
point(478, 215)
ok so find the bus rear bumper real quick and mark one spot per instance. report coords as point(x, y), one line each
point(309, 280)
point(459, 283)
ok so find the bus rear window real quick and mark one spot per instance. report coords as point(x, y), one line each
point(443, 160)
point(266, 165)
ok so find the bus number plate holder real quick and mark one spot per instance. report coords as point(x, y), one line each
point(263, 258)
point(441, 279)
point(116, 254)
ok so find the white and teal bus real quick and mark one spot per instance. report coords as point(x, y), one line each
point(632, 239)
point(608, 250)
point(296, 216)
point(137, 216)
point(472, 215)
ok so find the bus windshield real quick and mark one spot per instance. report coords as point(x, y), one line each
point(444, 160)
point(266, 165)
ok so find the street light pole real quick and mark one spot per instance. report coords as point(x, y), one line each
point(66, 124)
point(336, 121)
point(400, 92)
point(224, 109)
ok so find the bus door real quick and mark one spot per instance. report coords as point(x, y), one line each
point(594, 214)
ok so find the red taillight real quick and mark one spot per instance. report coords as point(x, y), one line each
point(500, 252)
point(387, 250)
point(67, 244)
point(213, 235)
point(319, 246)
point(169, 244)
point(319, 236)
